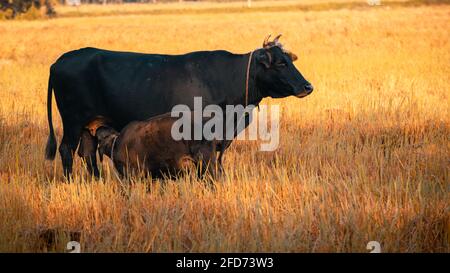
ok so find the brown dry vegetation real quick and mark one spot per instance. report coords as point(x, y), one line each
point(365, 157)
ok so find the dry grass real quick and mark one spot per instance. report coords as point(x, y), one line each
point(211, 7)
point(365, 157)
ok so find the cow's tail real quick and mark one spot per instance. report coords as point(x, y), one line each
point(50, 149)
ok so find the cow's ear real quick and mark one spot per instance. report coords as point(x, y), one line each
point(264, 57)
point(292, 56)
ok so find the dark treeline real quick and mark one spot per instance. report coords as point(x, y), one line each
point(12, 8)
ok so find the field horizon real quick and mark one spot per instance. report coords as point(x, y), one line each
point(364, 158)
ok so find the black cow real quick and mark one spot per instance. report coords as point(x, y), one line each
point(125, 87)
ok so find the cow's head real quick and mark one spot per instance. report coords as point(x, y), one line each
point(276, 75)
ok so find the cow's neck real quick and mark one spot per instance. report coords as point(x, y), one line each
point(254, 94)
point(234, 84)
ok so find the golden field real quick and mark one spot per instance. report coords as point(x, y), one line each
point(364, 158)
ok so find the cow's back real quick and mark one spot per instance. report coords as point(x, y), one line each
point(127, 86)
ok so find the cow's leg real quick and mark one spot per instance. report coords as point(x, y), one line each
point(66, 153)
point(222, 146)
point(91, 162)
point(88, 151)
point(212, 168)
point(67, 148)
point(210, 171)
point(209, 161)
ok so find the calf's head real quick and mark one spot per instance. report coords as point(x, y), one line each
point(106, 137)
point(276, 75)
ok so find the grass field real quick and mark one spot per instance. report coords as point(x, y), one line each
point(365, 157)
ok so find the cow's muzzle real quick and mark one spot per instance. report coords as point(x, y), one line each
point(307, 89)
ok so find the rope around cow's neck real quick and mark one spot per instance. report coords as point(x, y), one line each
point(247, 77)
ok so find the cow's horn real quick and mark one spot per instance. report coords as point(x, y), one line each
point(266, 41)
point(276, 39)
